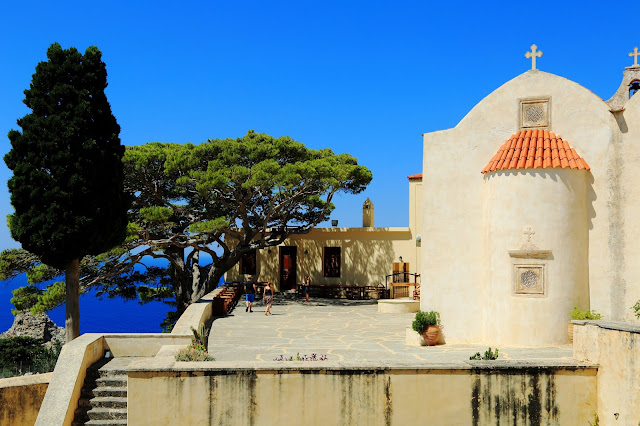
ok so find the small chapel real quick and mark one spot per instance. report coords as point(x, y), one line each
point(540, 213)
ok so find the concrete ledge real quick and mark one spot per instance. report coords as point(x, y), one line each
point(61, 399)
point(170, 365)
point(195, 314)
point(611, 325)
point(142, 344)
point(398, 306)
point(169, 350)
point(33, 379)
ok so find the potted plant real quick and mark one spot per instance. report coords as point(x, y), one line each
point(428, 325)
point(577, 314)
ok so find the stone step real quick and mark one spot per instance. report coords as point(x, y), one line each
point(109, 402)
point(111, 422)
point(116, 381)
point(107, 414)
point(112, 372)
point(110, 391)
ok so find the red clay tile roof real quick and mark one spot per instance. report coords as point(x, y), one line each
point(415, 177)
point(535, 149)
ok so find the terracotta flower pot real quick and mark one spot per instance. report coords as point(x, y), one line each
point(570, 331)
point(431, 335)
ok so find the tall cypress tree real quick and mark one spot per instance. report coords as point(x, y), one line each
point(67, 184)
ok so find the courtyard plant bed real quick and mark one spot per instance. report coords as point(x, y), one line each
point(577, 314)
point(428, 325)
point(489, 355)
point(197, 350)
point(298, 357)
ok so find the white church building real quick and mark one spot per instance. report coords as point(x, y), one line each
point(531, 206)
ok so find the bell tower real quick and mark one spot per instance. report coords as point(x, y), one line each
point(629, 86)
point(367, 214)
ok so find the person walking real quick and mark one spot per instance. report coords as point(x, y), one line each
point(267, 297)
point(307, 283)
point(250, 290)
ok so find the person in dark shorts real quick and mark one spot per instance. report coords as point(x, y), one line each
point(250, 290)
point(267, 297)
point(307, 282)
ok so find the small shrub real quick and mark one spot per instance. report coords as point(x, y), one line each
point(298, 357)
point(424, 319)
point(636, 310)
point(199, 336)
point(489, 355)
point(577, 314)
point(194, 352)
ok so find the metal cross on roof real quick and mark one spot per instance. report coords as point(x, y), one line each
point(635, 54)
point(533, 54)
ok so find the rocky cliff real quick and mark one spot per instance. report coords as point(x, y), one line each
point(37, 326)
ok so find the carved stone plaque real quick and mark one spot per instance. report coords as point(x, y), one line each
point(529, 279)
point(534, 113)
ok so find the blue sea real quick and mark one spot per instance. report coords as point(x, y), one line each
point(96, 315)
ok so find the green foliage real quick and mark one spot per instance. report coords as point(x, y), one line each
point(36, 300)
point(596, 420)
point(170, 321)
point(194, 353)
point(14, 262)
point(489, 355)
point(425, 319)
point(24, 298)
point(199, 336)
point(636, 310)
point(155, 214)
point(240, 194)
point(67, 183)
point(577, 314)
point(22, 354)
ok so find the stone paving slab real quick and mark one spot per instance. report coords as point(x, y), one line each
point(346, 332)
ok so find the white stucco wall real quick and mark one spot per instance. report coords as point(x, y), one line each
point(552, 202)
point(626, 277)
point(453, 264)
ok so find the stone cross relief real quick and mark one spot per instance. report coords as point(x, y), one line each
point(635, 54)
point(533, 55)
point(528, 234)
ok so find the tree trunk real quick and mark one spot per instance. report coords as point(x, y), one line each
point(72, 281)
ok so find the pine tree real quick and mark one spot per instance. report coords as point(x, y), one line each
point(67, 184)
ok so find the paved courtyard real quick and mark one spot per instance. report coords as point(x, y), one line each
point(344, 331)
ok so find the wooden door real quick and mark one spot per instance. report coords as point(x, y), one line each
point(288, 276)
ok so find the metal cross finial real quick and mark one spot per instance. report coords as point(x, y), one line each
point(635, 54)
point(528, 232)
point(533, 54)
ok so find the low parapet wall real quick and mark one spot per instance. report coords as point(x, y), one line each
point(21, 397)
point(61, 399)
point(269, 393)
point(615, 346)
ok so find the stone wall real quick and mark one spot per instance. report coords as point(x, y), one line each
point(167, 392)
point(21, 397)
point(615, 347)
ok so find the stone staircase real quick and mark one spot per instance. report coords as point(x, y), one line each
point(103, 399)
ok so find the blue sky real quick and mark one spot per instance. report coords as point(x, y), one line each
point(363, 77)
